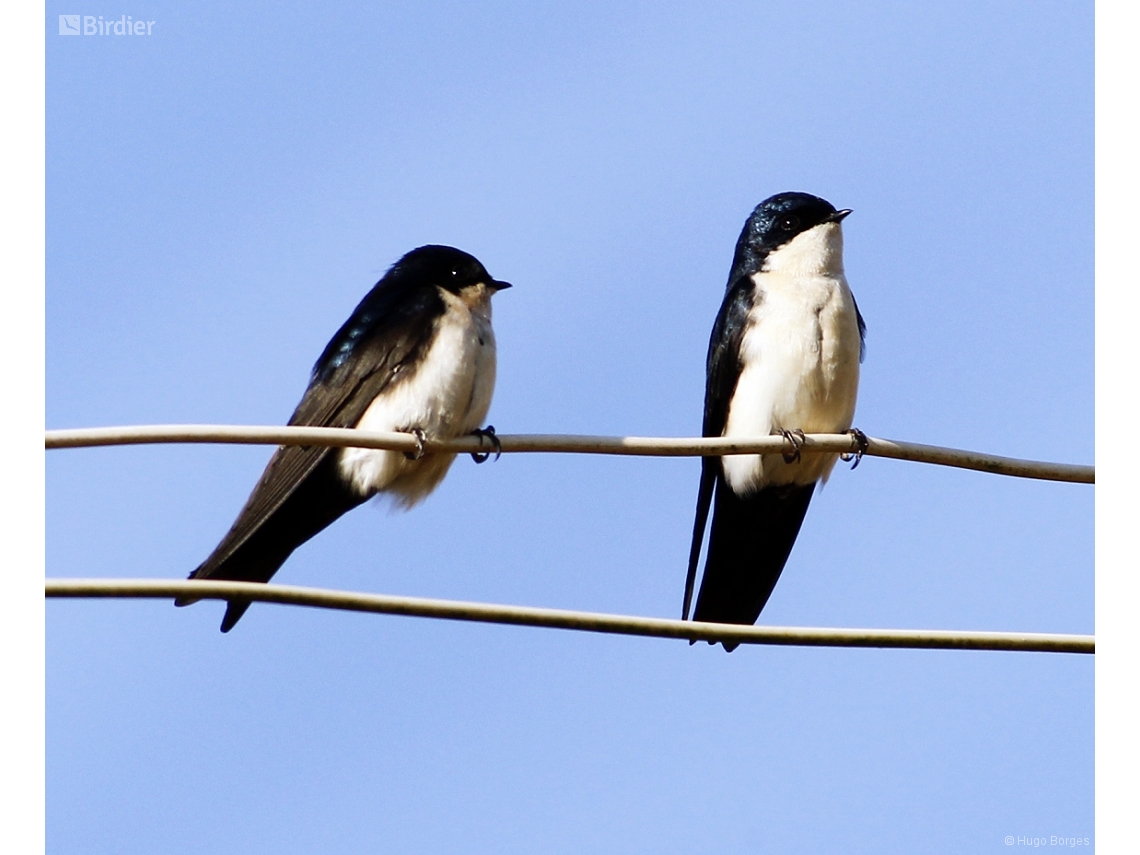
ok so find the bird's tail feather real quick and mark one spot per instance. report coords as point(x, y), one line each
point(704, 499)
point(749, 544)
point(316, 503)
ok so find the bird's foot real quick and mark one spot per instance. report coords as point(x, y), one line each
point(421, 438)
point(489, 433)
point(797, 439)
point(861, 445)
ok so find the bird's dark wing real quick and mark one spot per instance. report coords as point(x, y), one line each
point(862, 324)
point(722, 367)
point(385, 333)
point(722, 370)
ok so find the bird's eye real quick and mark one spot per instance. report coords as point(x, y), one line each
point(789, 223)
point(454, 274)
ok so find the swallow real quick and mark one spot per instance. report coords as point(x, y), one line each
point(416, 356)
point(783, 358)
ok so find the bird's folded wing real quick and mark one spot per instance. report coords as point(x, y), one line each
point(337, 397)
point(723, 365)
point(722, 370)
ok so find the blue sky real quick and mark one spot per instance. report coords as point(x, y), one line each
point(222, 193)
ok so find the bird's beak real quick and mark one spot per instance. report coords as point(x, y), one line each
point(496, 285)
point(838, 216)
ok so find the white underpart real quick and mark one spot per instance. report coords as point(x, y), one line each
point(446, 396)
point(800, 357)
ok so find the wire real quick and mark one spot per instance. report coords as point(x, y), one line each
point(556, 618)
point(561, 619)
point(514, 443)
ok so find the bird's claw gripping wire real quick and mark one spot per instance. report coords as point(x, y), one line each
point(421, 438)
point(489, 433)
point(861, 445)
point(797, 439)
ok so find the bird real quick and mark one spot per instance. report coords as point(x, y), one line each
point(418, 356)
point(783, 358)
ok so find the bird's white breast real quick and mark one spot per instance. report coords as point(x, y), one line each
point(799, 358)
point(446, 395)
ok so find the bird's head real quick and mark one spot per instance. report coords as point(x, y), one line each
point(793, 232)
point(449, 268)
